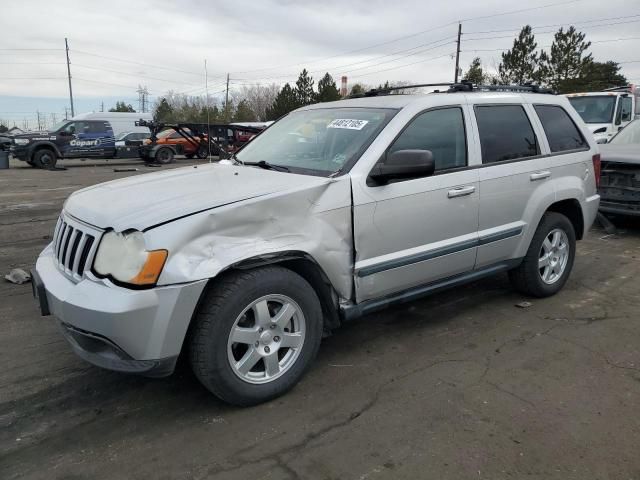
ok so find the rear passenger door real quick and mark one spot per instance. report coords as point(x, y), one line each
point(514, 179)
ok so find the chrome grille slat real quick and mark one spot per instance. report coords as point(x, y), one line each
point(70, 240)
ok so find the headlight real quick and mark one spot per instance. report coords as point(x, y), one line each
point(124, 258)
point(21, 141)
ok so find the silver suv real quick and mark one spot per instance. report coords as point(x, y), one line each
point(335, 211)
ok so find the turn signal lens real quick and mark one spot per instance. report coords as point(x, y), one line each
point(151, 269)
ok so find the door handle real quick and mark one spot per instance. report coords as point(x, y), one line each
point(461, 191)
point(540, 175)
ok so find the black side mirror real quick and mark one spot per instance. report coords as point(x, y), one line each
point(64, 133)
point(402, 165)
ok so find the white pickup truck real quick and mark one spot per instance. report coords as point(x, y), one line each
point(609, 111)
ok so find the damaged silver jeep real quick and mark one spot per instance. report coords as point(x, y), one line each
point(335, 211)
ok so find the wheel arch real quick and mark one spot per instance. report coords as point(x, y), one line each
point(571, 209)
point(44, 145)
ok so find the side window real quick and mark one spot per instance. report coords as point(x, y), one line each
point(625, 106)
point(560, 130)
point(442, 132)
point(97, 127)
point(505, 133)
point(82, 127)
point(70, 128)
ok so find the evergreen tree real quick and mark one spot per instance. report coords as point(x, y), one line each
point(3, 128)
point(163, 111)
point(304, 89)
point(475, 74)
point(566, 61)
point(286, 101)
point(327, 89)
point(122, 107)
point(244, 113)
point(520, 64)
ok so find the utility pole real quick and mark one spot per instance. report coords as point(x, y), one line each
point(101, 106)
point(206, 89)
point(458, 53)
point(66, 113)
point(39, 126)
point(66, 46)
point(226, 102)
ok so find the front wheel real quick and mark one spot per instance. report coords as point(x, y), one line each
point(164, 156)
point(203, 152)
point(549, 260)
point(255, 334)
point(44, 158)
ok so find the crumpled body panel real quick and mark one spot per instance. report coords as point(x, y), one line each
point(314, 219)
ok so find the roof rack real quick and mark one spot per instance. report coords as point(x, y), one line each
point(621, 88)
point(462, 86)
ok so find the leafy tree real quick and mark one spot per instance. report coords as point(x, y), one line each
point(286, 101)
point(304, 89)
point(327, 89)
point(163, 111)
point(520, 64)
point(244, 113)
point(122, 107)
point(475, 74)
point(567, 60)
point(357, 89)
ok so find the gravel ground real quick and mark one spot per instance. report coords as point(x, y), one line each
point(461, 385)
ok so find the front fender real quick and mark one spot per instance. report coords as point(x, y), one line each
point(314, 221)
point(36, 145)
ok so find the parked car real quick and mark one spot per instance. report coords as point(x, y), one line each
point(183, 145)
point(126, 139)
point(68, 139)
point(620, 180)
point(243, 267)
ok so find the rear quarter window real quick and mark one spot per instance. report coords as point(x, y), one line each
point(505, 133)
point(562, 133)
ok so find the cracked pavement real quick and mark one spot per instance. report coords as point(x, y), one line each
point(462, 384)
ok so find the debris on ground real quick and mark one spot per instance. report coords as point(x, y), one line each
point(524, 304)
point(605, 223)
point(125, 169)
point(18, 276)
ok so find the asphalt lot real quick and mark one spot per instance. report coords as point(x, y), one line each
point(461, 385)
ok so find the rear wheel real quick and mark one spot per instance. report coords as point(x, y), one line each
point(203, 152)
point(549, 260)
point(164, 156)
point(44, 158)
point(255, 334)
point(189, 155)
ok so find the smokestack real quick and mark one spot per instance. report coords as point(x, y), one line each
point(343, 86)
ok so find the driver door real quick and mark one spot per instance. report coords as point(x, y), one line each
point(417, 231)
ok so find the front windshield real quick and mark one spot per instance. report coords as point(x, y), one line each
point(319, 141)
point(59, 125)
point(595, 109)
point(122, 135)
point(629, 135)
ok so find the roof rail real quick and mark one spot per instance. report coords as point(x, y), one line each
point(463, 86)
point(621, 88)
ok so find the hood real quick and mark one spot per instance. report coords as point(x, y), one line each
point(144, 201)
point(31, 135)
point(611, 152)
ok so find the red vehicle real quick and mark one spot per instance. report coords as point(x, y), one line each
point(183, 144)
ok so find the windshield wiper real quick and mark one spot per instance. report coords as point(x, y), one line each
point(268, 166)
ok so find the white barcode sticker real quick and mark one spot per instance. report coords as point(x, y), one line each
point(348, 124)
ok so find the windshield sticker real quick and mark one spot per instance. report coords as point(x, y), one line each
point(348, 124)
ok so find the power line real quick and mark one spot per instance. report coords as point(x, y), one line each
point(548, 46)
point(397, 39)
point(128, 74)
point(558, 24)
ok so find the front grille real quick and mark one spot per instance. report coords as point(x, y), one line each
point(74, 246)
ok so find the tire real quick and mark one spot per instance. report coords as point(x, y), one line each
point(190, 155)
point(226, 308)
point(44, 158)
point(203, 152)
point(544, 279)
point(164, 156)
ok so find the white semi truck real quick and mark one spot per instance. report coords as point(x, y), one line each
point(608, 111)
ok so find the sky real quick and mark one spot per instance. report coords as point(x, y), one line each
point(116, 46)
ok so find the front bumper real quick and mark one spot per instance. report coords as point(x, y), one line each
point(20, 152)
point(135, 331)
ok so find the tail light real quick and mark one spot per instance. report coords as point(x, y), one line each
point(596, 168)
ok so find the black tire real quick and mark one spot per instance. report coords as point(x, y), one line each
point(190, 155)
point(203, 152)
point(164, 156)
point(527, 277)
point(216, 316)
point(44, 158)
